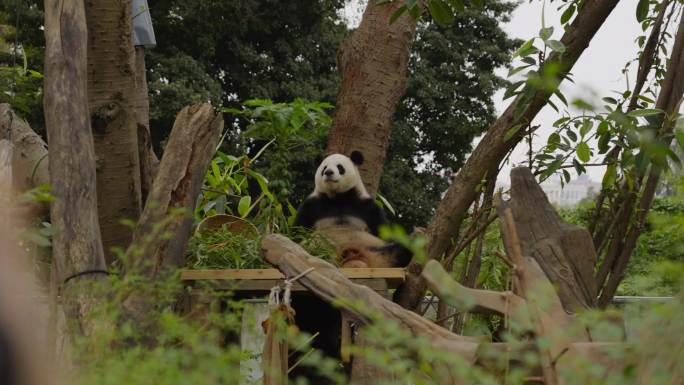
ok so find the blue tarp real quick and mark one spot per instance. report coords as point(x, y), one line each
point(143, 32)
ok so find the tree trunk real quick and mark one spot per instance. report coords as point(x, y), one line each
point(148, 159)
point(111, 92)
point(76, 245)
point(373, 62)
point(669, 100)
point(493, 147)
point(162, 233)
point(29, 161)
point(565, 252)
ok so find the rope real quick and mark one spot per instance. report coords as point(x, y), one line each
point(274, 297)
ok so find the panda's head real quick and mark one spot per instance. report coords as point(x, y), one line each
point(339, 174)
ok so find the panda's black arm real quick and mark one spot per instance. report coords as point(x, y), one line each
point(375, 217)
point(306, 215)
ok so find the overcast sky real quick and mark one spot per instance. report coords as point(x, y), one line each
point(596, 74)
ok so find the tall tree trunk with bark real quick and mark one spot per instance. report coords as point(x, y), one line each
point(111, 92)
point(148, 159)
point(494, 146)
point(76, 246)
point(373, 62)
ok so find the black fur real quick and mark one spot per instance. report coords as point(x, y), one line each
point(341, 205)
point(356, 157)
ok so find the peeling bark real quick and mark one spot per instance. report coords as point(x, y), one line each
point(111, 93)
point(492, 149)
point(565, 252)
point(149, 163)
point(373, 62)
point(76, 245)
point(29, 161)
point(162, 233)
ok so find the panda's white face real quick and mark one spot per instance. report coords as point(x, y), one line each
point(338, 174)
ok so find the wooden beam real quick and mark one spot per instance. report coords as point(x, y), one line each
point(390, 274)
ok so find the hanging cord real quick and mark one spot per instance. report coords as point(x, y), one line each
point(85, 272)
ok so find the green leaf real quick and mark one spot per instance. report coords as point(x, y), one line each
point(556, 46)
point(545, 33)
point(243, 205)
point(511, 132)
point(567, 14)
point(566, 175)
point(457, 4)
point(610, 176)
point(642, 10)
point(523, 48)
point(645, 112)
point(514, 71)
point(680, 139)
point(560, 96)
point(610, 100)
point(554, 139)
point(586, 127)
point(397, 14)
point(386, 204)
point(646, 99)
point(440, 12)
point(583, 152)
point(529, 60)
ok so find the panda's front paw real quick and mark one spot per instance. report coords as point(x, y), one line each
point(353, 257)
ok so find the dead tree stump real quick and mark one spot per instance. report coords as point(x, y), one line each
point(564, 251)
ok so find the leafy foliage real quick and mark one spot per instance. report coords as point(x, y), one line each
point(223, 249)
point(252, 49)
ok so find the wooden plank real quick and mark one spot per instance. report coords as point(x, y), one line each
point(379, 285)
point(392, 274)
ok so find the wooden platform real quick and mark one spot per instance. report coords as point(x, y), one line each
point(378, 279)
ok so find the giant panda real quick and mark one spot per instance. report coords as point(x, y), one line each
point(341, 209)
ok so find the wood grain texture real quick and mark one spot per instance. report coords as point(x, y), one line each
point(76, 245)
point(373, 62)
point(163, 230)
point(111, 93)
point(564, 251)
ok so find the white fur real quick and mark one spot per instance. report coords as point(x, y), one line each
point(336, 183)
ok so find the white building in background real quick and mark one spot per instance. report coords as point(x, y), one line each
point(567, 195)
point(572, 192)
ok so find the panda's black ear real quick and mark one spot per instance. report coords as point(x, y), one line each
point(357, 157)
point(319, 159)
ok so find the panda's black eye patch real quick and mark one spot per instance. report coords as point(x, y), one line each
point(323, 171)
point(341, 169)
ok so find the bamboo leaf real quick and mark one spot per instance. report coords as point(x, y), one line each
point(243, 205)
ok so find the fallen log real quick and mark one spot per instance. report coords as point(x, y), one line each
point(328, 283)
point(464, 299)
